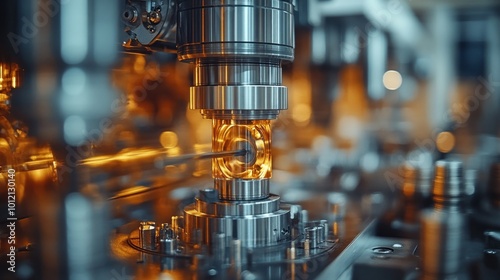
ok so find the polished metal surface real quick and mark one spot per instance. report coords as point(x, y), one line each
point(239, 208)
point(240, 114)
point(237, 73)
point(448, 181)
point(248, 97)
point(237, 47)
point(253, 230)
point(238, 68)
point(233, 28)
point(167, 239)
point(147, 235)
point(239, 189)
point(416, 180)
point(313, 236)
point(444, 227)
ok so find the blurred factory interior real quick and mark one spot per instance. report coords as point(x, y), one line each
point(135, 139)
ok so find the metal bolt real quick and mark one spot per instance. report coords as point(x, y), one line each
point(154, 17)
point(382, 250)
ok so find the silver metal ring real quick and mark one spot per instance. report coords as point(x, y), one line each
point(226, 50)
point(240, 208)
point(239, 189)
point(277, 4)
point(241, 73)
point(255, 97)
point(248, 229)
point(250, 28)
point(240, 114)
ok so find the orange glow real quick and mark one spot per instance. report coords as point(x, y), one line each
point(445, 142)
point(350, 111)
point(168, 139)
point(253, 136)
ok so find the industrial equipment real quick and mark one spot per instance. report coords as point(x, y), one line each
point(250, 139)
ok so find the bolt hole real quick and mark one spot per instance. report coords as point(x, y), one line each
point(382, 250)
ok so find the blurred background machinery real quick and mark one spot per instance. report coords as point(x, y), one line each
point(250, 139)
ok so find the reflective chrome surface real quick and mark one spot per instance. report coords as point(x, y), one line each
point(239, 189)
point(254, 230)
point(241, 208)
point(444, 227)
point(448, 182)
point(237, 47)
point(237, 73)
point(233, 28)
point(248, 97)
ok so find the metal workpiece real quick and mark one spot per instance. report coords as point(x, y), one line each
point(448, 181)
point(238, 47)
point(147, 235)
point(238, 69)
point(240, 189)
point(168, 246)
point(167, 240)
point(151, 25)
point(416, 180)
point(312, 234)
point(442, 242)
point(166, 232)
point(316, 232)
point(234, 28)
point(253, 230)
point(444, 227)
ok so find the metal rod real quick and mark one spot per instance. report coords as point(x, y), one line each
point(187, 157)
point(136, 165)
point(158, 157)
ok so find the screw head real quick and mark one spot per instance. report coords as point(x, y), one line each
point(154, 17)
